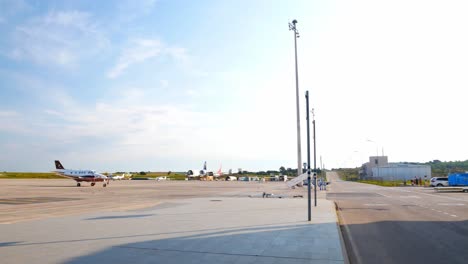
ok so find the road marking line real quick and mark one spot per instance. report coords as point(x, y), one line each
point(453, 215)
point(438, 196)
point(446, 213)
point(451, 204)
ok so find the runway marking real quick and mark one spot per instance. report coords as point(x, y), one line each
point(421, 205)
point(438, 196)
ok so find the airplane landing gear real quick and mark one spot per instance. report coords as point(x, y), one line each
point(93, 183)
point(104, 185)
point(78, 184)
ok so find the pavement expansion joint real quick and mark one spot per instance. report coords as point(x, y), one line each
point(227, 254)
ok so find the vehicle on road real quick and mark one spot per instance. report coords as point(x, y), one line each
point(456, 182)
point(458, 179)
point(439, 182)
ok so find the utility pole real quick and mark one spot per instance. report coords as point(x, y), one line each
point(315, 161)
point(292, 26)
point(308, 156)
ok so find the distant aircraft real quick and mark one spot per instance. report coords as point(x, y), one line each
point(196, 173)
point(116, 177)
point(231, 178)
point(219, 173)
point(81, 175)
point(199, 173)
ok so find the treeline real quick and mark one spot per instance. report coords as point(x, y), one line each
point(348, 174)
point(443, 168)
point(440, 168)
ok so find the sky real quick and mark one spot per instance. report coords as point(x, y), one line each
point(166, 85)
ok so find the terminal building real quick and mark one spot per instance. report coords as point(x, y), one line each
point(378, 167)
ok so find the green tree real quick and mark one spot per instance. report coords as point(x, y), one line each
point(282, 170)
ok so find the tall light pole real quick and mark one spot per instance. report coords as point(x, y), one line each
point(292, 26)
point(315, 160)
point(308, 156)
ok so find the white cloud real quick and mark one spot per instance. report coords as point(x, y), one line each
point(10, 8)
point(130, 10)
point(191, 92)
point(12, 122)
point(139, 51)
point(8, 113)
point(178, 54)
point(58, 38)
point(164, 83)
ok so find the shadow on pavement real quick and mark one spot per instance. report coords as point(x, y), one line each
point(118, 217)
point(407, 242)
point(6, 244)
point(301, 243)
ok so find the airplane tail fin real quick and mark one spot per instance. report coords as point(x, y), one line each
point(58, 165)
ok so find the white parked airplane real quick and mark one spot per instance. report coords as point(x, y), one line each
point(219, 172)
point(81, 175)
point(204, 172)
point(196, 173)
point(117, 177)
point(231, 178)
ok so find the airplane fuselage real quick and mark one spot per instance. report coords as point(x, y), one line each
point(83, 175)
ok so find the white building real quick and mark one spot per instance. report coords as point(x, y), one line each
point(399, 171)
point(379, 168)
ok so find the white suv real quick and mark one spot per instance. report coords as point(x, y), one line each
point(439, 181)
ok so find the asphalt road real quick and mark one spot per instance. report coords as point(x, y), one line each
point(401, 224)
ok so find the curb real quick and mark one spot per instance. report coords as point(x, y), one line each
point(342, 242)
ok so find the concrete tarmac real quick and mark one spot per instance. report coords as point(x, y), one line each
point(222, 224)
point(401, 224)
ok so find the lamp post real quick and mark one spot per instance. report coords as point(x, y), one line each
point(308, 155)
point(315, 160)
point(292, 26)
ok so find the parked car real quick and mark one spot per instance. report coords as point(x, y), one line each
point(439, 181)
